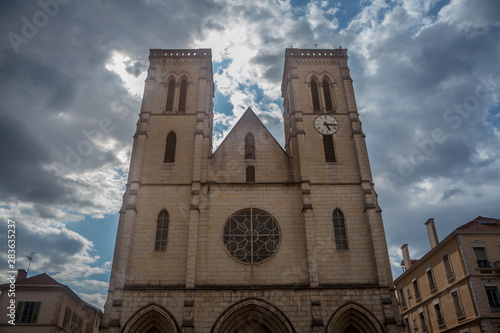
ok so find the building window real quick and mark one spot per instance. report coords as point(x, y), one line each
point(430, 279)
point(416, 289)
point(328, 95)
point(250, 173)
point(423, 324)
point(457, 303)
point(439, 314)
point(481, 257)
point(162, 231)
point(72, 322)
point(251, 236)
point(170, 148)
point(27, 312)
point(402, 297)
point(183, 95)
point(249, 147)
point(339, 230)
point(493, 298)
point(407, 325)
point(170, 95)
point(67, 318)
point(315, 95)
point(329, 148)
point(447, 267)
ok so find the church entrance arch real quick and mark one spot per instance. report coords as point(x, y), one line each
point(252, 316)
point(353, 318)
point(151, 319)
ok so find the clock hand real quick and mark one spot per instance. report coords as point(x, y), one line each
point(327, 125)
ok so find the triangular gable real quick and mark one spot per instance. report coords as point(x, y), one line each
point(248, 116)
point(270, 164)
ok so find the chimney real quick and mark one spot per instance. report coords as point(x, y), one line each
point(21, 274)
point(406, 256)
point(431, 231)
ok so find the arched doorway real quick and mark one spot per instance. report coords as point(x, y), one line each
point(252, 316)
point(151, 319)
point(353, 318)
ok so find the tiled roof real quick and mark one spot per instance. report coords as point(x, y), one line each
point(41, 280)
point(481, 224)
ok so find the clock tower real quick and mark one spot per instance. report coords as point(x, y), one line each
point(250, 237)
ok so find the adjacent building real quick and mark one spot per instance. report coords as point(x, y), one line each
point(455, 286)
point(43, 305)
point(250, 237)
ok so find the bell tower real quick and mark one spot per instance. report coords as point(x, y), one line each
point(171, 147)
point(324, 138)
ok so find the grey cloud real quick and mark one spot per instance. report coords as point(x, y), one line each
point(448, 194)
point(136, 68)
point(273, 64)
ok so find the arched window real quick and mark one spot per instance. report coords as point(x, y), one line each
point(170, 95)
point(250, 171)
point(339, 230)
point(329, 148)
point(315, 95)
point(249, 147)
point(170, 147)
point(183, 95)
point(162, 231)
point(328, 95)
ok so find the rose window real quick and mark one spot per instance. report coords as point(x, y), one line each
point(251, 236)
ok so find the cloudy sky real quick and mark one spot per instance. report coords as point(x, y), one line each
point(426, 76)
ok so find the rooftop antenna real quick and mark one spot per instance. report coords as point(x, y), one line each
point(30, 258)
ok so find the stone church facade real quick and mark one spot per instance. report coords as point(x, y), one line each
point(251, 237)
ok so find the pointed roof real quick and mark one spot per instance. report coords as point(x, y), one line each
point(249, 115)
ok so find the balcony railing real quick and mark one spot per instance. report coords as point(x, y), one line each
point(483, 264)
point(432, 286)
point(450, 276)
point(417, 295)
point(440, 321)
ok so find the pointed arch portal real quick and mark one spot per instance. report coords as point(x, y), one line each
point(151, 319)
point(353, 318)
point(252, 316)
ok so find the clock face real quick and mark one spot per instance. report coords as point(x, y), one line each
point(326, 124)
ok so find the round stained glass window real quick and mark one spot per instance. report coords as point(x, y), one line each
point(251, 236)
